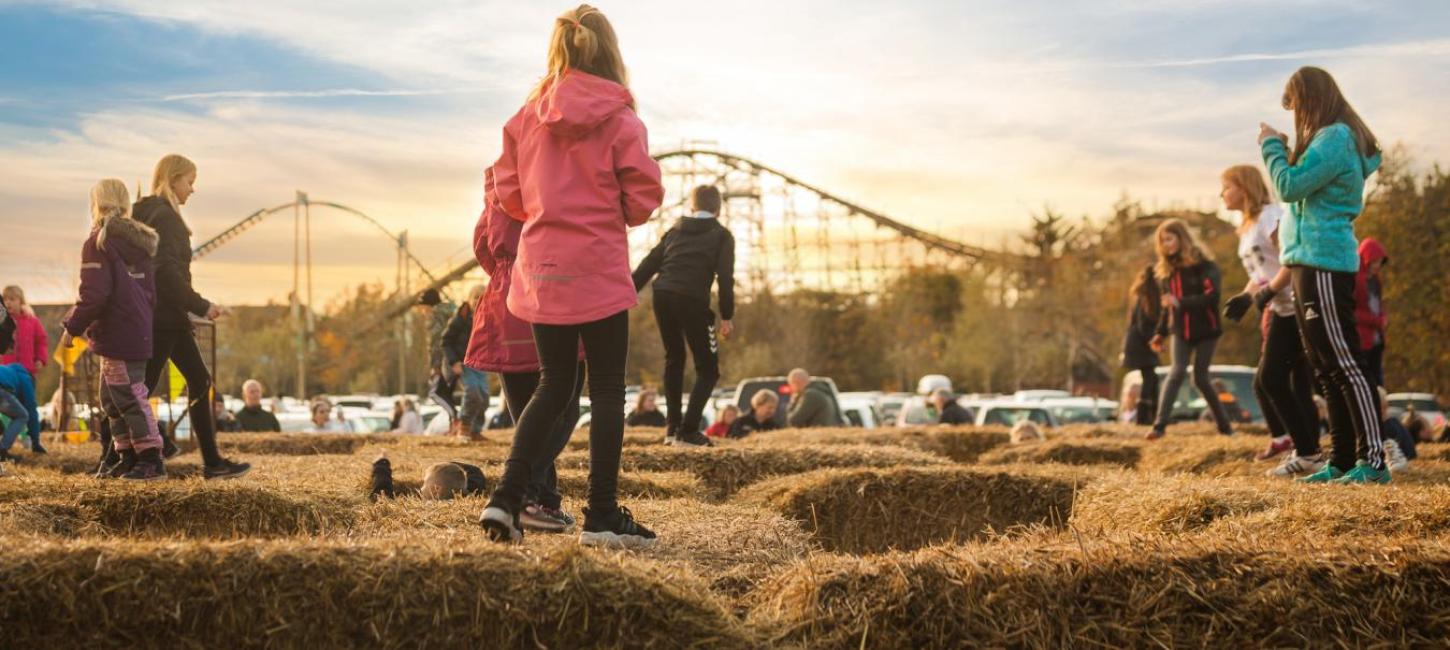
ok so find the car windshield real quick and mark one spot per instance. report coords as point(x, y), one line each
point(1009, 416)
point(1239, 383)
point(1076, 414)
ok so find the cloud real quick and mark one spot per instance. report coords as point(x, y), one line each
point(1427, 48)
point(315, 94)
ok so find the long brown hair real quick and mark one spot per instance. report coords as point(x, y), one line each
point(1317, 102)
point(1140, 294)
point(583, 40)
point(1256, 192)
point(1190, 251)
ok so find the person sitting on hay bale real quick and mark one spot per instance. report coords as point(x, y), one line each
point(1026, 431)
point(761, 416)
point(442, 481)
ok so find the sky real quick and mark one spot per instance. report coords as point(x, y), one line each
point(963, 118)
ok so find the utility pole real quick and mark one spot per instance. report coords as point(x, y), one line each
point(296, 297)
point(307, 231)
point(402, 327)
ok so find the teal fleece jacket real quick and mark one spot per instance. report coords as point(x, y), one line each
point(1325, 192)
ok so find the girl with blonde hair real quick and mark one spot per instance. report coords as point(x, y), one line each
point(576, 170)
point(172, 184)
point(1189, 284)
point(1283, 382)
point(115, 311)
point(31, 344)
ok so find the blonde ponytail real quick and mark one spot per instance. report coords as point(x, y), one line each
point(583, 40)
point(109, 200)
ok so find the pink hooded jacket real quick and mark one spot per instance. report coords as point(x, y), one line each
point(576, 170)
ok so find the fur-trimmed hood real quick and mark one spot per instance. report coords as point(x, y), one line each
point(139, 238)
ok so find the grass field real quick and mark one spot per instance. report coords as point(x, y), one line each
point(837, 539)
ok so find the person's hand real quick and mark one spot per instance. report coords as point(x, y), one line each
point(1169, 300)
point(726, 329)
point(66, 340)
point(457, 368)
point(1263, 297)
point(1235, 308)
point(216, 311)
point(1156, 343)
point(1266, 132)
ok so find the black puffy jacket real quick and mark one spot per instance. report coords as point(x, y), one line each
point(689, 259)
point(1197, 288)
point(174, 296)
point(1142, 325)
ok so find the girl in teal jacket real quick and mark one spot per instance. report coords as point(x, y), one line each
point(1322, 179)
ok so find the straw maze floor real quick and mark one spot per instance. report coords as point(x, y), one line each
point(891, 538)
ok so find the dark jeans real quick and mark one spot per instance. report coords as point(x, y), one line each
point(606, 347)
point(686, 321)
point(518, 388)
point(180, 348)
point(1284, 386)
point(1202, 353)
point(1324, 306)
point(1147, 396)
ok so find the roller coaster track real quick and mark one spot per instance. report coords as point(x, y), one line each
point(255, 218)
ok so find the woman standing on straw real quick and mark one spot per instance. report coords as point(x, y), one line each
point(576, 170)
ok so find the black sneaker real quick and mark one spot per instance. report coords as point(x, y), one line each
point(693, 439)
point(169, 449)
point(226, 469)
point(148, 467)
point(36, 449)
point(500, 526)
point(544, 519)
point(119, 463)
point(615, 530)
point(5, 457)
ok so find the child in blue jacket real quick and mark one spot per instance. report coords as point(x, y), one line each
point(17, 402)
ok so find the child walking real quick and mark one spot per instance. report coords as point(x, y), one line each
point(17, 402)
point(504, 344)
point(1190, 283)
point(115, 311)
point(1144, 311)
point(29, 347)
point(692, 257)
point(576, 170)
point(1283, 382)
point(1322, 178)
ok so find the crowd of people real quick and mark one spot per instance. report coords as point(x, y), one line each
point(575, 173)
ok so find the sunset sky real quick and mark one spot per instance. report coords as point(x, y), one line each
point(958, 117)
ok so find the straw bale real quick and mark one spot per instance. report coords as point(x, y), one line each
point(962, 444)
point(724, 469)
point(869, 511)
point(1185, 593)
point(1068, 452)
point(328, 595)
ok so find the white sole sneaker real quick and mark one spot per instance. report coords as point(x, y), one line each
point(498, 524)
point(607, 539)
point(1296, 466)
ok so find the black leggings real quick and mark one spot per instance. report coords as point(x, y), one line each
point(606, 347)
point(687, 321)
point(1202, 353)
point(1147, 396)
point(1284, 385)
point(518, 388)
point(180, 348)
point(1324, 306)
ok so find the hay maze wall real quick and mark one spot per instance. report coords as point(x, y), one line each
point(840, 539)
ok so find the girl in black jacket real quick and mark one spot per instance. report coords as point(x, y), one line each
point(171, 186)
point(1190, 283)
point(1138, 353)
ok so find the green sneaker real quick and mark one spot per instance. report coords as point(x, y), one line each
point(1326, 474)
point(1364, 473)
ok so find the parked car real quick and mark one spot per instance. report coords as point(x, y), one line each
point(1189, 406)
point(889, 405)
point(1039, 394)
point(1009, 413)
point(860, 410)
point(1427, 405)
point(747, 388)
point(1080, 410)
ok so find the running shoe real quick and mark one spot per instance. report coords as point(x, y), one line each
point(543, 519)
point(148, 467)
point(117, 465)
point(695, 439)
point(226, 469)
point(1155, 434)
point(617, 529)
point(1364, 473)
point(1295, 466)
point(169, 449)
point(1326, 474)
point(500, 526)
point(1277, 446)
point(1395, 458)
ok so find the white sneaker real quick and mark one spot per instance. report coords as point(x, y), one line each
point(1296, 465)
point(1395, 457)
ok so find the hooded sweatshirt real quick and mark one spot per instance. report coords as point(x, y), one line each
point(175, 297)
point(690, 258)
point(1369, 307)
point(576, 170)
point(30, 344)
point(1325, 192)
point(1197, 288)
point(16, 380)
point(118, 290)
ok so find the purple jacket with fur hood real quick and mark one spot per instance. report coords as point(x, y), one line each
point(118, 290)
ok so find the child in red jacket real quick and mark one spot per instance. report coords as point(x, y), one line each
point(1370, 317)
point(576, 170)
point(32, 346)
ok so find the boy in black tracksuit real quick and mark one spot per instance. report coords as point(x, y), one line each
point(691, 257)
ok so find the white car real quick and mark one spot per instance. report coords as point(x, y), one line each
point(1009, 412)
point(1426, 405)
point(1080, 410)
point(860, 409)
point(1039, 394)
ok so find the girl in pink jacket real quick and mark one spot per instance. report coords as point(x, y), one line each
point(32, 346)
point(576, 170)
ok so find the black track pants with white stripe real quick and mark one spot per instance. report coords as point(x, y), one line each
point(1324, 305)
